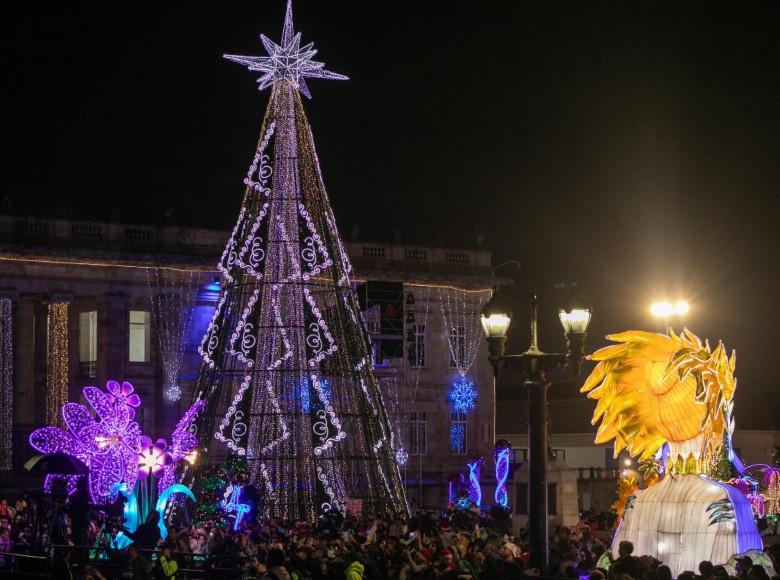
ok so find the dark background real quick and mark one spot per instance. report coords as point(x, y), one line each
point(630, 146)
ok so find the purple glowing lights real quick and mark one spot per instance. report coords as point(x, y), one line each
point(287, 61)
point(110, 443)
point(153, 457)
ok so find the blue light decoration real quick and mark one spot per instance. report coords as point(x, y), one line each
point(132, 515)
point(458, 437)
point(302, 398)
point(233, 505)
point(325, 386)
point(463, 395)
point(501, 455)
point(162, 503)
point(475, 487)
point(456, 486)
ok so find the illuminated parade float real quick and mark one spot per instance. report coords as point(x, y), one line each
point(668, 400)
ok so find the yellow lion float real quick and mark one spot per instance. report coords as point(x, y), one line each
point(670, 397)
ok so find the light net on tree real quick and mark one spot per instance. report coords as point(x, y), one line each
point(287, 372)
point(172, 294)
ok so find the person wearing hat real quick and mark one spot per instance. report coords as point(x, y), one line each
point(447, 568)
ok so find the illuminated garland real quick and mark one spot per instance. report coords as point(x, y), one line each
point(6, 383)
point(171, 295)
point(460, 311)
point(57, 361)
point(772, 491)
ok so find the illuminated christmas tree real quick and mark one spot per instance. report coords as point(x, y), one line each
point(287, 371)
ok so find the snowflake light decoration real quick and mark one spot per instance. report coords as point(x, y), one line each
point(463, 395)
point(402, 456)
point(286, 61)
point(109, 446)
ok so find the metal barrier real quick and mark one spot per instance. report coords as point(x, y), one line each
point(110, 563)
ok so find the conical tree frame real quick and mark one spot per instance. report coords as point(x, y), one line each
point(287, 370)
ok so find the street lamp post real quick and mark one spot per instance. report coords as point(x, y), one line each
point(536, 366)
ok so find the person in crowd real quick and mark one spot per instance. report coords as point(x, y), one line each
point(137, 567)
point(276, 568)
point(627, 563)
point(147, 535)
point(169, 567)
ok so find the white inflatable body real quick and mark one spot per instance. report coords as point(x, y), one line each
point(685, 519)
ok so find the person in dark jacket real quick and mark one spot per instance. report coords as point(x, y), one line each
point(626, 563)
point(147, 535)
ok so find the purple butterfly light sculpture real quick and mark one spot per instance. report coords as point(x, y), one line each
point(108, 445)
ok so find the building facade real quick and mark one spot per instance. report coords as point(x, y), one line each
point(80, 305)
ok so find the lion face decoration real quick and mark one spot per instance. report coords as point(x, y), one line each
point(655, 388)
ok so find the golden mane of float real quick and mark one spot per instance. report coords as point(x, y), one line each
point(656, 388)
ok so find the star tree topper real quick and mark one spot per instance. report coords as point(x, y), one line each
point(286, 61)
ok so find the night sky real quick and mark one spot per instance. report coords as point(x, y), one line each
point(630, 146)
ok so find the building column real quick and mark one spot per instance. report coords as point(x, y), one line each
point(7, 298)
point(57, 357)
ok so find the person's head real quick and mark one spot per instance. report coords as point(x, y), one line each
point(132, 552)
point(687, 575)
point(153, 517)
point(508, 551)
point(744, 564)
point(446, 556)
point(625, 549)
point(757, 572)
point(664, 572)
point(596, 575)
point(167, 550)
point(275, 557)
point(705, 568)
point(720, 573)
point(257, 565)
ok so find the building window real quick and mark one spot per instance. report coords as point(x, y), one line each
point(88, 344)
point(457, 347)
point(416, 346)
point(417, 434)
point(139, 335)
point(458, 433)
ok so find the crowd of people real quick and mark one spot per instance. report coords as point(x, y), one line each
point(452, 545)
